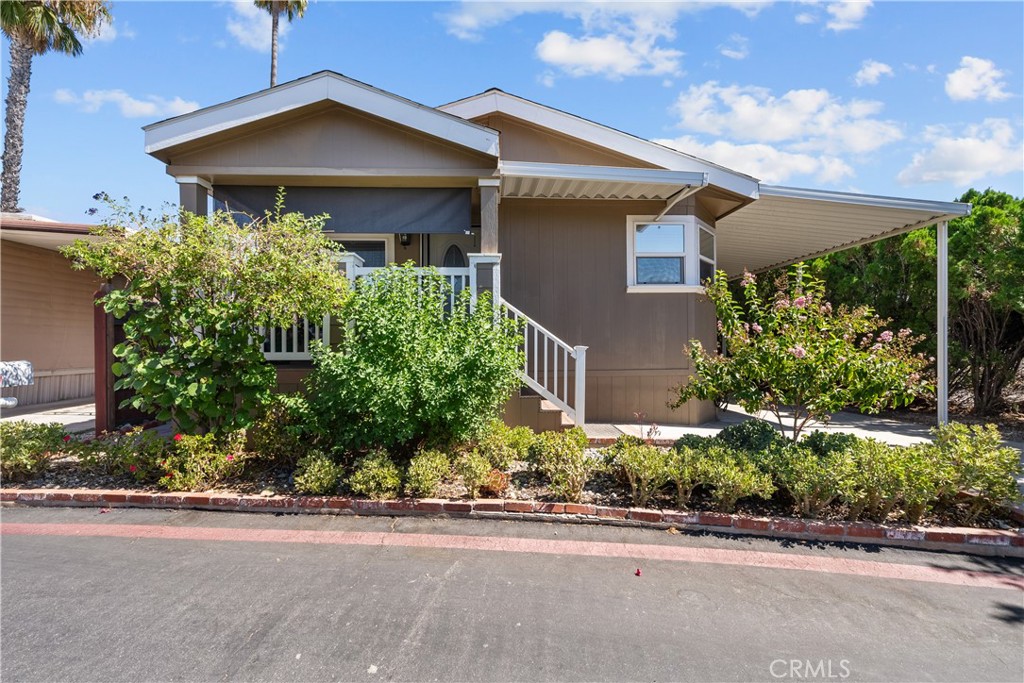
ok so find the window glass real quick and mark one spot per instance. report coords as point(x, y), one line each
point(660, 239)
point(453, 258)
point(659, 270)
point(707, 270)
point(372, 251)
point(707, 244)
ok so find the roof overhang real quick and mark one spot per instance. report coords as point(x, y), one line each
point(44, 234)
point(304, 92)
point(498, 102)
point(788, 224)
point(522, 179)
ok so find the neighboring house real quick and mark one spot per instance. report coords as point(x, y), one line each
point(46, 309)
point(597, 238)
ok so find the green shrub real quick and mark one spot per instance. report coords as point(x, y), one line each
point(25, 448)
point(686, 468)
point(280, 433)
point(980, 464)
point(697, 443)
point(562, 458)
point(426, 471)
point(824, 444)
point(410, 369)
point(376, 476)
point(872, 480)
point(732, 476)
point(924, 477)
point(199, 462)
point(502, 445)
point(813, 480)
point(752, 435)
point(138, 453)
point(644, 466)
point(317, 474)
point(475, 471)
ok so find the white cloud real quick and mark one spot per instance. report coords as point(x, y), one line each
point(870, 72)
point(91, 101)
point(807, 120)
point(250, 26)
point(805, 18)
point(616, 39)
point(847, 14)
point(737, 47)
point(108, 32)
point(983, 150)
point(976, 78)
point(765, 162)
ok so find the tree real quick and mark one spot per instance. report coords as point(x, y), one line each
point(196, 292)
point(292, 9)
point(36, 27)
point(794, 351)
point(896, 277)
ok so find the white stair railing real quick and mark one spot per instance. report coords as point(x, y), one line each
point(548, 364)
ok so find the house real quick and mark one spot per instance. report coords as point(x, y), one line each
point(597, 239)
point(46, 309)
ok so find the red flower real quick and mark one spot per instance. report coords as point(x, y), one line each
point(131, 468)
point(230, 457)
point(67, 437)
point(638, 572)
point(177, 437)
point(169, 475)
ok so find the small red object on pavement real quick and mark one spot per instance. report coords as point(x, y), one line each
point(638, 572)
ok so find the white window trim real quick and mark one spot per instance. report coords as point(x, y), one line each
point(691, 262)
point(387, 238)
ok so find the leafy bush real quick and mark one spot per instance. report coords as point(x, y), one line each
point(139, 453)
point(376, 476)
point(686, 468)
point(317, 474)
point(426, 471)
point(562, 458)
point(644, 466)
point(732, 475)
point(824, 444)
point(794, 351)
point(412, 369)
point(751, 435)
point(812, 480)
point(474, 470)
point(502, 445)
point(872, 481)
point(196, 291)
point(697, 443)
point(25, 448)
point(279, 434)
point(980, 464)
point(198, 462)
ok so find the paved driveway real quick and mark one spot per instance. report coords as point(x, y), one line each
point(144, 597)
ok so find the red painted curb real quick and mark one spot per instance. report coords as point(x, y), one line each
point(964, 540)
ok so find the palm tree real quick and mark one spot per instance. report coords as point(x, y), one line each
point(291, 9)
point(36, 27)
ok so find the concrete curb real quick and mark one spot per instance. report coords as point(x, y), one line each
point(991, 542)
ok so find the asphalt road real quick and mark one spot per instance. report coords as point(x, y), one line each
point(349, 607)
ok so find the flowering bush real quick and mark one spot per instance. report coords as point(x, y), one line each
point(197, 462)
point(795, 351)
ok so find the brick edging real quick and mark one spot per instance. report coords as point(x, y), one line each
point(993, 542)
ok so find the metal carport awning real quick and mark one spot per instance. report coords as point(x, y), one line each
point(524, 179)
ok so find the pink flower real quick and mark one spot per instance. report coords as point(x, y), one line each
point(798, 351)
point(781, 304)
point(131, 468)
point(904, 333)
point(719, 325)
point(748, 278)
point(177, 437)
point(876, 347)
point(756, 328)
point(800, 301)
point(230, 457)
point(885, 336)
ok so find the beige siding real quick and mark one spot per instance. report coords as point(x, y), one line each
point(521, 141)
point(334, 139)
point(46, 317)
point(564, 265)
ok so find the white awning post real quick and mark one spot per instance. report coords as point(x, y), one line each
point(942, 322)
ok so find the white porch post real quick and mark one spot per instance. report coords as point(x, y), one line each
point(485, 275)
point(350, 262)
point(942, 322)
point(581, 385)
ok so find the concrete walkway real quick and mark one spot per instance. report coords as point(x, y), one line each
point(78, 415)
point(890, 431)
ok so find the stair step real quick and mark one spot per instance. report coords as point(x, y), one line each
point(547, 406)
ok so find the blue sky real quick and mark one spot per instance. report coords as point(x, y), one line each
point(917, 99)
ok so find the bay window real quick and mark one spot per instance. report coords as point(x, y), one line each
point(675, 254)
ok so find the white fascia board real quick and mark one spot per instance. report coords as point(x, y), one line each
point(496, 102)
point(932, 207)
point(531, 169)
point(317, 88)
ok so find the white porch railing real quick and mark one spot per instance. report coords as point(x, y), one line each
point(548, 364)
point(458, 278)
point(293, 343)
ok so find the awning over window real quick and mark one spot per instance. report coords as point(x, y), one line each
point(362, 209)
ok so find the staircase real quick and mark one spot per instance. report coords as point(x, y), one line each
point(556, 375)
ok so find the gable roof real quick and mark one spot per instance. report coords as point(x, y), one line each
point(496, 101)
point(319, 87)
